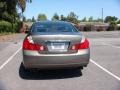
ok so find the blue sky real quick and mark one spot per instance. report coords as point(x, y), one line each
point(83, 8)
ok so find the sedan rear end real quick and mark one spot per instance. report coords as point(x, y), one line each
point(55, 45)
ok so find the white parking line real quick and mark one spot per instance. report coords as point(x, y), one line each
point(110, 45)
point(110, 73)
point(9, 59)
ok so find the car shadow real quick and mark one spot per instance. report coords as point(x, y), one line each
point(49, 74)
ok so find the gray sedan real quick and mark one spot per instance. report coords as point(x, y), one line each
point(54, 45)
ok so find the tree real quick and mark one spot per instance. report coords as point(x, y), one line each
point(118, 22)
point(8, 12)
point(72, 17)
point(42, 17)
point(63, 18)
point(110, 19)
point(90, 19)
point(24, 19)
point(8, 9)
point(84, 19)
point(113, 26)
point(33, 19)
point(99, 20)
point(22, 4)
point(29, 20)
point(55, 17)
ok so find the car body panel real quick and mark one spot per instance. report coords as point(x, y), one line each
point(60, 57)
point(33, 59)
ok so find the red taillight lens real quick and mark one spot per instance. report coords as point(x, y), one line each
point(83, 45)
point(31, 46)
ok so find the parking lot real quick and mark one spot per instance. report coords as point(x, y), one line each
point(102, 73)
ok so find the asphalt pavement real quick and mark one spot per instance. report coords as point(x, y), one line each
point(102, 73)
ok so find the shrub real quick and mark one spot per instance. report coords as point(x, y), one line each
point(110, 28)
point(6, 26)
point(87, 27)
point(15, 27)
point(118, 28)
point(100, 29)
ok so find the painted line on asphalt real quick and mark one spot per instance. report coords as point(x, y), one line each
point(110, 73)
point(9, 59)
point(104, 69)
point(110, 45)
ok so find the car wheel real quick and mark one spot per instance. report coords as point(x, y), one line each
point(81, 67)
point(24, 68)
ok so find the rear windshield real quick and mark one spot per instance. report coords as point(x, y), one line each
point(53, 27)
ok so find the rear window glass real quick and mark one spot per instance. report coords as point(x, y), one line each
point(53, 27)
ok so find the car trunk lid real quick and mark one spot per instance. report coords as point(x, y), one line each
point(57, 43)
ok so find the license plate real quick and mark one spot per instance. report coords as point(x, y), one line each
point(57, 46)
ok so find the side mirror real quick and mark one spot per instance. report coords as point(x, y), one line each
point(26, 32)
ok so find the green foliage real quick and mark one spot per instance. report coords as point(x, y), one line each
point(8, 27)
point(24, 19)
point(9, 17)
point(55, 17)
point(90, 19)
point(29, 20)
point(87, 27)
point(118, 22)
point(22, 4)
point(15, 28)
point(72, 17)
point(42, 17)
point(100, 29)
point(84, 19)
point(110, 19)
point(33, 19)
point(63, 18)
point(98, 20)
point(8, 10)
point(112, 26)
point(118, 28)
point(5, 26)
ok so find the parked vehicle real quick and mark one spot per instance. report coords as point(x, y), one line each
point(55, 44)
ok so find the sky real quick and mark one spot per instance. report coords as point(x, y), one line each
point(82, 8)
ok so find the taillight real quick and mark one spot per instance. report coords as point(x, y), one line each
point(83, 45)
point(28, 44)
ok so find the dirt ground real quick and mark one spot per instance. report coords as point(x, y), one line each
point(4, 38)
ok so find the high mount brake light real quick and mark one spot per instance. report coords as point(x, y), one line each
point(28, 44)
point(83, 45)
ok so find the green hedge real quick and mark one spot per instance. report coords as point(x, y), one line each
point(118, 28)
point(100, 29)
point(88, 27)
point(6, 26)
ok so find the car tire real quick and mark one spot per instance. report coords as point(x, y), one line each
point(24, 68)
point(81, 67)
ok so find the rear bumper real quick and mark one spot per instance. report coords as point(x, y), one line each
point(33, 59)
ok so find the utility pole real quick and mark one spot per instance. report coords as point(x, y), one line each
point(102, 16)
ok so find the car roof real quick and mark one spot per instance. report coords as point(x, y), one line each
point(52, 22)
